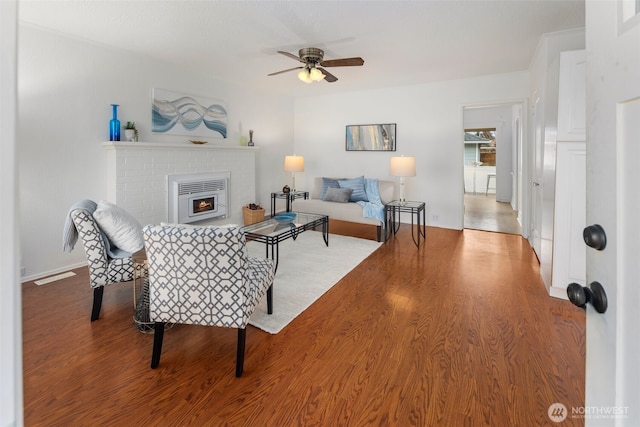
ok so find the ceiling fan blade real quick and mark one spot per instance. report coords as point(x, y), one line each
point(291, 55)
point(284, 71)
point(328, 76)
point(343, 62)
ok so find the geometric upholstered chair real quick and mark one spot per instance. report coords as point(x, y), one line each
point(203, 276)
point(106, 264)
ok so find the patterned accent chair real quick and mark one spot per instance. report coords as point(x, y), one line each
point(203, 276)
point(103, 270)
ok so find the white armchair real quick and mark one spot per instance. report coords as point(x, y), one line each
point(203, 276)
point(103, 269)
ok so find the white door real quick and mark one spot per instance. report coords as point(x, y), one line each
point(535, 235)
point(516, 169)
point(10, 290)
point(613, 201)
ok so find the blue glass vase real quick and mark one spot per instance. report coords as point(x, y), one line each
point(114, 125)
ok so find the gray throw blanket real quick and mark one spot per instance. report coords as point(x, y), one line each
point(70, 234)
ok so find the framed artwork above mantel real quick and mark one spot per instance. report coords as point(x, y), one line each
point(174, 113)
point(380, 137)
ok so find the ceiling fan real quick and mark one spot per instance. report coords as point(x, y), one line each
point(311, 71)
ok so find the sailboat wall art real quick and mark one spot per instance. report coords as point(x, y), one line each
point(174, 113)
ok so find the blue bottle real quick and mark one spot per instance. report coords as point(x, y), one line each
point(114, 125)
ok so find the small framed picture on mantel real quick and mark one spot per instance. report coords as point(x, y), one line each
point(371, 137)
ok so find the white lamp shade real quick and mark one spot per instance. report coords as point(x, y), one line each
point(403, 166)
point(294, 163)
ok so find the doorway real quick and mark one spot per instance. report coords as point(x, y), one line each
point(491, 164)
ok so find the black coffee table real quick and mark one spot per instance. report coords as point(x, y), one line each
point(271, 231)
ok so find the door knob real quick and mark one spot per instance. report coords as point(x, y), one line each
point(595, 237)
point(594, 293)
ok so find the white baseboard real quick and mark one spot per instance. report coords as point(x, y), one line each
point(558, 292)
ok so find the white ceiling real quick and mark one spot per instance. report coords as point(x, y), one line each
point(401, 42)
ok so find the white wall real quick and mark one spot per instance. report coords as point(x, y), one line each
point(10, 296)
point(65, 90)
point(430, 126)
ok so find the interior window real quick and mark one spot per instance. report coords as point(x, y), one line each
point(480, 146)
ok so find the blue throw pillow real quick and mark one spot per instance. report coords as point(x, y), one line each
point(357, 185)
point(328, 183)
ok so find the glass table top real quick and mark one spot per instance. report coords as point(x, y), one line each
point(407, 204)
point(276, 226)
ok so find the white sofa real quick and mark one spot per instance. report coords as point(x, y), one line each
point(350, 212)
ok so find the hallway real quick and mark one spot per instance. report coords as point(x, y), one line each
point(484, 213)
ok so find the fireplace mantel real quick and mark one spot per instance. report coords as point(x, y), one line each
point(137, 174)
point(173, 145)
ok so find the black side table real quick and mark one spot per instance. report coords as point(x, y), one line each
point(392, 211)
point(290, 197)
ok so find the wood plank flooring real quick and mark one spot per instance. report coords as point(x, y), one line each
point(458, 333)
point(482, 212)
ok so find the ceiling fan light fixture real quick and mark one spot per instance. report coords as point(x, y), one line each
point(313, 58)
point(316, 75)
point(305, 75)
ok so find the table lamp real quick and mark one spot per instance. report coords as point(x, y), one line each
point(293, 164)
point(403, 167)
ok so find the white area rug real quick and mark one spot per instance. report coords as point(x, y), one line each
point(306, 270)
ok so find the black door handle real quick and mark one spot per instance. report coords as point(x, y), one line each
point(595, 237)
point(594, 293)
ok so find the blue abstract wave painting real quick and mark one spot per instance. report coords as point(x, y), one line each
point(178, 114)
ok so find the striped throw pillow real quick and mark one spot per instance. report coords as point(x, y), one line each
point(357, 185)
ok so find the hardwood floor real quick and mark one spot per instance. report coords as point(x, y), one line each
point(458, 333)
point(482, 212)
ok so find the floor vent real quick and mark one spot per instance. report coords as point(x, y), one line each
point(54, 278)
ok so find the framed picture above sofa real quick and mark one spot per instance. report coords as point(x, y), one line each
point(371, 137)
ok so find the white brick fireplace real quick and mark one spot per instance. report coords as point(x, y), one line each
point(138, 175)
